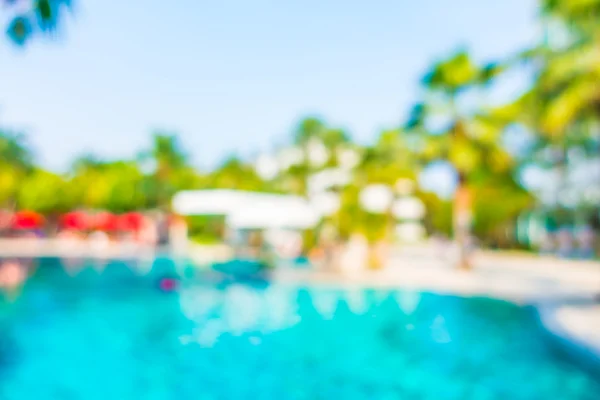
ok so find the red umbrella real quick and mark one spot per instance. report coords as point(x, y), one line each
point(24, 220)
point(75, 220)
point(106, 221)
point(132, 221)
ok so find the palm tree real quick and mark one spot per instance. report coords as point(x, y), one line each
point(168, 158)
point(295, 179)
point(89, 181)
point(86, 162)
point(234, 174)
point(16, 161)
point(41, 16)
point(123, 181)
point(391, 158)
point(567, 90)
point(563, 104)
point(116, 186)
point(562, 107)
point(44, 192)
point(318, 144)
point(307, 129)
point(468, 137)
point(15, 151)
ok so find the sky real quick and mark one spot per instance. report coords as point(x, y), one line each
point(236, 76)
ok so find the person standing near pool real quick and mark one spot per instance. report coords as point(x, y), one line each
point(148, 235)
point(355, 256)
point(585, 238)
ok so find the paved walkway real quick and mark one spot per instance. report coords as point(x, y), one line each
point(106, 250)
point(514, 278)
point(586, 318)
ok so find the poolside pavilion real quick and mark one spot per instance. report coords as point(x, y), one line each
point(245, 212)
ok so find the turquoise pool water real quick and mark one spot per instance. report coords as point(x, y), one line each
point(115, 335)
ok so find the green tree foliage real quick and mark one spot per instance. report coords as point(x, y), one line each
point(438, 218)
point(28, 18)
point(451, 122)
point(206, 229)
point(352, 218)
point(294, 179)
point(311, 132)
point(498, 202)
point(93, 183)
point(15, 151)
point(562, 106)
point(467, 135)
point(388, 160)
point(234, 174)
point(307, 129)
point(566, 91)
point(114, 186)
point(44, 192)
point(170, 169)
point(16, 161)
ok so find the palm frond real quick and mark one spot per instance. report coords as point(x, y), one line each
point(44, 16)
point(564, 108)
point(416, 117)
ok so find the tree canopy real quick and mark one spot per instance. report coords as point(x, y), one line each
point(30, 18)
point(450, 122)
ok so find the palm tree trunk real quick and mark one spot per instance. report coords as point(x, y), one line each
point(162, 180)
point(462, 222)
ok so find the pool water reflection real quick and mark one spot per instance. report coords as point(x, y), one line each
point(116, 335)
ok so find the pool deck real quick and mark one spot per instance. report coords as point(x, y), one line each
point(575, 328)
point(513, 278)
point(563, 293)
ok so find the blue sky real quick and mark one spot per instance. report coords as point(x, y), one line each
point(235, 76)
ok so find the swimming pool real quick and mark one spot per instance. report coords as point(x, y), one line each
point(116, 335)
